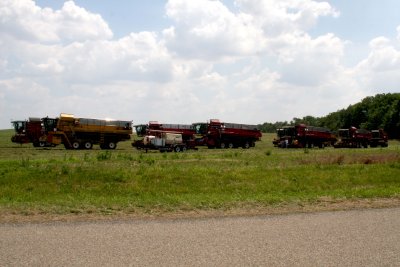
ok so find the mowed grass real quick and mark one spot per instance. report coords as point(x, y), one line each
point(125, 180)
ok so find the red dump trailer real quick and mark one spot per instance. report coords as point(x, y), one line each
point(353, 138)
point(218, 134)
point(300, 135)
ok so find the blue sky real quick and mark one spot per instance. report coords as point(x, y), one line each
point(177, 61)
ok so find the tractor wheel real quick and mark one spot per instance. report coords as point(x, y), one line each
point(177, 149)
point(222, 145)
point(76, 145)
point(87, 145)
point(230, 145)
point(184, 149)
point(42, 144)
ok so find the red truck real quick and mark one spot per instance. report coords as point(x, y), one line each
point(153, 128)
point(353, 138)
point(218, 134)
point(378, 138)
point(300, 135)
point(29, 131)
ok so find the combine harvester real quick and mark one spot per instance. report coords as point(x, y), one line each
point(302, 136)
point(81, 133)
point(357, 138)
point(218, 134)
point(29, 131)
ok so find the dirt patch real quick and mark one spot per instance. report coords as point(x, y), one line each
point(323, 204)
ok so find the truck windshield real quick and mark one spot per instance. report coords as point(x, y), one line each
point(49, 124)
point(200, 128)
point(289, 131)
point(344, 133)
point(141, 130)
point(19, 126)
point(375, 134)
point(280, 132)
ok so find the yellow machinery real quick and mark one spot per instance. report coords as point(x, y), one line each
point(82, 133)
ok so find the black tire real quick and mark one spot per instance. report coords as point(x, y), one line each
point(76, 145)
point(112, 145)
point(87, 145)
point(42, 144)
point(184, 149)
point(222, 145)
point(177, 149)
point(230, 145)
point(246, 145)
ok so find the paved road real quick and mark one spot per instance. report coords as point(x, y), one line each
point(348, 238)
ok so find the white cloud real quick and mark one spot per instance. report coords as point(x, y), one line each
point(24, 20)
point(286, 16)
point(207, 29)
point(379, 72)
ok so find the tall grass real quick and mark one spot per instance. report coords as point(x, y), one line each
point(126, 180)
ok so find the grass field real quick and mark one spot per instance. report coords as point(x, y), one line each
point(56, 181)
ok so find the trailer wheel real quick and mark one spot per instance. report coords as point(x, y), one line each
point(177, 149)
point(76, 145)
point(222, 145)
point(112, 145)
point(246, 145)
point(184, 149)
point(230, 145)
point(88, 145)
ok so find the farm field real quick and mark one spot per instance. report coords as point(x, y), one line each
point(54, 182)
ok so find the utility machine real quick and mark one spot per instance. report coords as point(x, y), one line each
point(162, 141)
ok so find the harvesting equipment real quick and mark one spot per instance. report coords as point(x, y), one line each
point(353, 137)
point(217, 134)
point(78, 133)
point(299, 136)
point(29, 131)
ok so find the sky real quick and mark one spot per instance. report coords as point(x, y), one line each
point(181, 61)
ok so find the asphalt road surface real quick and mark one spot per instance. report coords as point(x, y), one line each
point(346, 238)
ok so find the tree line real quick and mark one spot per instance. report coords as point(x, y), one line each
point(381, 111)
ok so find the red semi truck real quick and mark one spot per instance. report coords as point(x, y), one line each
point(300, 135)
point(218, 134)
point(353, 138)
